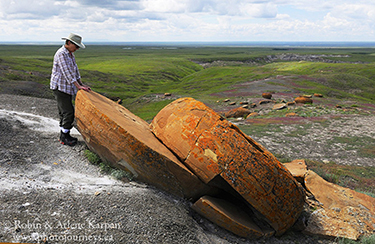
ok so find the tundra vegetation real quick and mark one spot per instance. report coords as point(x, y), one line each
point(141, 76)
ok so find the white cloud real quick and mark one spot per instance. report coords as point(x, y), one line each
point(190, 20)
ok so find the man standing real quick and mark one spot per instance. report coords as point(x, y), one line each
point(65, 81)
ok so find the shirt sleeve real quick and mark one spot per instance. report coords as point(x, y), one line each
point(68, 69)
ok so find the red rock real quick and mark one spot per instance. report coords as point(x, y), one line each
point(341, 212)
point(291, 103)
point(221, 155)
point(237, 113)
point(126, 142)
point(303, 99)
point(318, 95)
point(267, 95)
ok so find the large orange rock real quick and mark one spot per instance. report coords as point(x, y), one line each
point(267, 95)
point(239, 112)
point(303, 100)
point(221, 155)
point(341, 212)
point(126, 142)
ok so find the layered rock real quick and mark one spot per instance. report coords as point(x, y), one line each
point(126, 142)
point(338, 211)
point(221, 155)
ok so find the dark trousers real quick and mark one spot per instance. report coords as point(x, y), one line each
point(66, 109)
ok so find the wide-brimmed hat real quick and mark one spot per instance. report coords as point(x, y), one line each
point(76, 39)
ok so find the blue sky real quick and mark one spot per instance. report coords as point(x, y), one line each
point(188, 20)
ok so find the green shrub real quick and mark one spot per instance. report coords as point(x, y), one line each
point(106, 168)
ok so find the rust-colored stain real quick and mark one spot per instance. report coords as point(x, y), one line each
point(191, 151)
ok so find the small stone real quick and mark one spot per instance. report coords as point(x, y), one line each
point(264, 101)
point(291, 115)
point(279, 106)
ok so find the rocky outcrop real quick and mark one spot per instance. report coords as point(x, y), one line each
point(341, 212)
point(221, 170)
point(230, 179)
point(221, 155)
point(337, 211)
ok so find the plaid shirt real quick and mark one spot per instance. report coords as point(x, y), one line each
point(64, 72)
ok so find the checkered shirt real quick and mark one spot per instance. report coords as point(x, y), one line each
point(64, 72)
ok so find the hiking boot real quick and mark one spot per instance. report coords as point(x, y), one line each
point(67, 139)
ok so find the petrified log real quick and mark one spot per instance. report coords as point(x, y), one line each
point(221, 155)
point(126, 142)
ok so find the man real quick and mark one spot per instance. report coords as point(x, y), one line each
point(65, 81)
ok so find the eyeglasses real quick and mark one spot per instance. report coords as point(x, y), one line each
point(76, 45)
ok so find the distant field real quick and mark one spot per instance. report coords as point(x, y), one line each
point(140, 75)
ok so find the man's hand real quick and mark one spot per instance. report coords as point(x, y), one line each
point(81, 86)
point(85, 88)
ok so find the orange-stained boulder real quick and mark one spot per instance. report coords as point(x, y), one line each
point(126, 142)
point(237, 113)
point(303, 99)
point(267, 95)
point(221, 155)
point(341, 212)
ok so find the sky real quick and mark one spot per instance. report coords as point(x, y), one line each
point(188, 20)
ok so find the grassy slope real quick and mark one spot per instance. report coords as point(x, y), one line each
point(133, 73)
